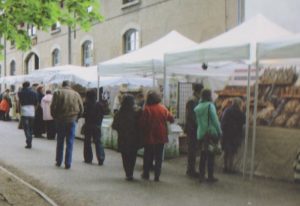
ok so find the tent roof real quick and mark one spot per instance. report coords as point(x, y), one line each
point(287, 47)
point(231, 45)
point(146, 58)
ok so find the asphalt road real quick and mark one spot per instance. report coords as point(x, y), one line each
point(86, 184)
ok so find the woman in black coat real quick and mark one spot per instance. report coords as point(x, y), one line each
point(232, 123)
point(93, 114)
point(126, 123)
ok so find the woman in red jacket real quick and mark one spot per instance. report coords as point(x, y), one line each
point(154, 123)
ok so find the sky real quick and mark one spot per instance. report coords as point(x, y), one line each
point(286, 13)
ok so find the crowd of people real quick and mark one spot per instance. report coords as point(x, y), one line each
point(140, 123)
point(205, 133)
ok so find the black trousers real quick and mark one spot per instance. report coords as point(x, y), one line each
point(192, 153)
point(50, 129)
point(153, 152)
point(93, 132)
point(129, 159)
point(209, 159)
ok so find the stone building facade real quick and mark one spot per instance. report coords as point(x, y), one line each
point(128, 25)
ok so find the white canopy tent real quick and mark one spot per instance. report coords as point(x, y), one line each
point(87, 77)
point(236, 45)
point(146, 60)
point(282, 48)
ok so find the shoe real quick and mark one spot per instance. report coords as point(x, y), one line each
point(156, 179)
point(67, 167)
point(201, 179)
point(57, 164)
point(212, 180)
point(145, 177)
point(28, 147)
point(193, 174)
point(101, 162)
point(129, 178)
point(88, 162)
point(225, 171)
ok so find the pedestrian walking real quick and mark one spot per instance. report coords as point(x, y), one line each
point(28, 101)
point(126, 123)
point(208, 129)
point(232, 123)
point(5, 106)
point(39, 124)
point(93, 114)
point(66, 107)
point(191, 129)
point(154, 126)
point(47, 117)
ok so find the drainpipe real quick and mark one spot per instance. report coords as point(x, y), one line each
point(69, 45)
point(226, 15)
point(5, 58)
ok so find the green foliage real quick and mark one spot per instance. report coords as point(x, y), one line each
point(43, 14)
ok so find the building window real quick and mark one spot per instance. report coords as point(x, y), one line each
point(31, 30)
point(12, 68)
point(55, 28)
point(128, 1)
point(55, 57)
point(131, 40)
point(12, 44)
point(87, 53)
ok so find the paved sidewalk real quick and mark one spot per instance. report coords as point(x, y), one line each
point(86, 184)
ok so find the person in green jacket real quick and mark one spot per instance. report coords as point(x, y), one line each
point(207, 123)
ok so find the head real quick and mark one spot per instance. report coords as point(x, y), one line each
point(197, 89)
point(153, 98)
point(127, 102)
point(206, 95)
point(237, 102)
point(66, 83)
point(48, 91)
point(26, 84)
point(40, 89)
point(7, 91)
point(91, 95)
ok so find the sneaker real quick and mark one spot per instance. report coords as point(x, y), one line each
point(67, 167)
point(212, 180)
point(57, 164)
point(101, 162)
point(28, 147)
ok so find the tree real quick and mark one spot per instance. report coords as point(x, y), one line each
point(16, 15)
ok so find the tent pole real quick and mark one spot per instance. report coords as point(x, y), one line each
point(247, 121)
point(165, 84)
point(98, 83)
point(254, 119)
point(153, 74)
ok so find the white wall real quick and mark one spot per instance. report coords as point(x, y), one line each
point(286, 13)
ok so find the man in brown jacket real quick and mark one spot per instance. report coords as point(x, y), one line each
point(66, 107)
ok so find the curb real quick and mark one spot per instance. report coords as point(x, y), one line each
point(40, 193)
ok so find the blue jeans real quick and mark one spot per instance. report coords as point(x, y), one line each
point(28, 128)
point(65, 130)
point(93, 132)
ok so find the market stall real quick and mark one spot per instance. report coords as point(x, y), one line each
point(237, 45)
point(149, 61)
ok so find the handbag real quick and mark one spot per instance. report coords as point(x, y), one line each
point(211, 143)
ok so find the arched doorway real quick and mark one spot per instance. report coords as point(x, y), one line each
point(32, 62)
